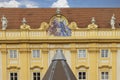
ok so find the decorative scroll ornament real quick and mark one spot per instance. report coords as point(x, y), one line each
point(59, 26)
point(4, 22)
point(73, 26)
point(44, 26)
point(24, 26)
point(92, 25)
point(112, 21)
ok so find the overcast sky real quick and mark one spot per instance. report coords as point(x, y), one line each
point(60, 3)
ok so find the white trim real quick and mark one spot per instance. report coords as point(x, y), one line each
point(0, 66)
point(118, 65)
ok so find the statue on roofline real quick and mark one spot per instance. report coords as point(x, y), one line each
point(58, 11)
point(24, 26)
point(93, 20)
point(4, 22)
point(92, 25)
point(112, 21)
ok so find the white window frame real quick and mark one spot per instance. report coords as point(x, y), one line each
point(104, 55)
point(35, 55)
point(13, 55)
point(36, 75)
point(13, 75)
point(82, 55)
point(82, 76)
point(104, 76)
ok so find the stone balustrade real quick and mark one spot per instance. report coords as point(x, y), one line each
point(76, 34)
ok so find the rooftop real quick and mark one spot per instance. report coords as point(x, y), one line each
point(82, 16)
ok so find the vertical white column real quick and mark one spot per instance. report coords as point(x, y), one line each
point(67, 55)
point(50, 56)
point(0, 66)
point(118, 65)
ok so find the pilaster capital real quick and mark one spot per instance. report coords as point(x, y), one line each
point(45, 50)
point(93, 49)
point(24, 50)
point(73, 50)
point(113, 49)
point(3, 51)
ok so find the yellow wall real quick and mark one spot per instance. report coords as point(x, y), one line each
point(93, 64)
point(24, 41)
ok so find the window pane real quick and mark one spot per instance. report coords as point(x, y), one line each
point(15, 78)
point(106, 75)
point(38, 54)
point(38, 78)
point(102, 75)
point(84, 75)
point(34, 74)
point(15, 74)
point(11, 74)
point(15, 54)
point(102, 54)
point(38, 74)
point(80, 75)
point(11, 78)
point(11, 55)
point(34, 78)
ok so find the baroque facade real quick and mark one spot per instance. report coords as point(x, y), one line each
point(92, 52)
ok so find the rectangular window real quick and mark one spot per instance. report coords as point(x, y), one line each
point(104, 75)
point(13, 76)
point(35, 53)
point(82, 75)
point(13, 53)
point(104, 53)
point(36, 75)
point(82, 53)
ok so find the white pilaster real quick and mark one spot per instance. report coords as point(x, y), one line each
point(118, 65)
point(0, 66)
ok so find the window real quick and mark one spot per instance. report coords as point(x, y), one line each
point(36, 53)
point(81, 53)
point(36, 75)
point(104, 53)
point(82, 75)
point(13, 53)
point(13, 76)
point(104, 75)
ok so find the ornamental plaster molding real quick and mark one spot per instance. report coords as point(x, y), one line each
point(13, 67)
point(93, 25)
point(105, 66)
point(24, 26)
point(82, 66)
point(73, 26)
point(36, 66)
point(44, 26)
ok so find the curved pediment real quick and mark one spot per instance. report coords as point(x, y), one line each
point(33, 67)
point(13, 67)
point(84, 66)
